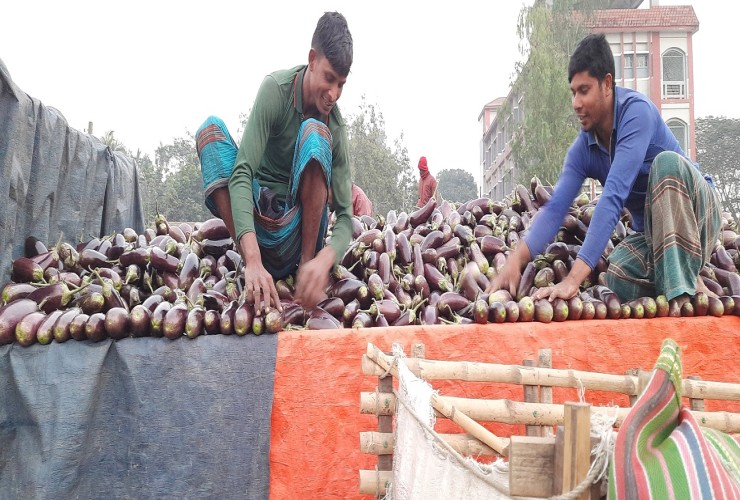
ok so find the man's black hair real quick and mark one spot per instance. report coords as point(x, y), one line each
point(333, 40)
point(594, 55)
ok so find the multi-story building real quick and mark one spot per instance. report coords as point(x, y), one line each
point(652, 50)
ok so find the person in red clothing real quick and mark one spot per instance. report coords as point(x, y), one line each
point(427, 183)
point(361, 204)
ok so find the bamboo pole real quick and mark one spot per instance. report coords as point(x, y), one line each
point(374, 482)
point(696, 404)
point(491, 372)
point(516, 412)
point(632, 372)
point(379, 443)
point(446, 408)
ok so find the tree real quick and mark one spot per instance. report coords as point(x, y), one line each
point(548, 35)
point(718, 153)
point(456, 185)
point(384, 174)
point(113, 143)
point(182, 193)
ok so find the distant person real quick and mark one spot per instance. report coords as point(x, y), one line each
point(294, 151)
point(361, 204)
point(626, 145)
point(427, 183)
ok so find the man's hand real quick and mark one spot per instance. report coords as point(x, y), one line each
point(508, 279)
point(566, 289)
point(259, 286)
point(258, 283)
point(313, 278)
point(511, 274)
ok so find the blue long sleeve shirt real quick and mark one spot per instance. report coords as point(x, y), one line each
point(638, 136)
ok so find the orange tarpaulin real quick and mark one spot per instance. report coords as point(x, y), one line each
point(316, 417)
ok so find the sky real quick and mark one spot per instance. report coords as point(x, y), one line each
point(152, 71)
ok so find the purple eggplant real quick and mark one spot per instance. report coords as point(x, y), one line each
point(610, 299)
point(156, 321)
point(212, 322)
point(244, 316)
point(13, 291)
point(319, 319)
point(140, 320)
point(45, 332)
point(363, 319)
point(117, 323)
point(212, 229)
point(162, 261)
point(390, 309)
point(11, 314)
point(95, 327)
point(333, 305)
point(436, 280)
point(273, 320)
point(77, 327)
point(348, 289)
point(25, 270)
point(227, 318)
point(27, 328)
point(194, 322)
point(174, 321)
point(61, 326)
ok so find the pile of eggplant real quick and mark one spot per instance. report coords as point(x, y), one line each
point(430, 266)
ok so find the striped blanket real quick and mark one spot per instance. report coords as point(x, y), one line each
point(662, 452)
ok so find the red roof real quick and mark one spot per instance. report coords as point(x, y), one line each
point(679, 17)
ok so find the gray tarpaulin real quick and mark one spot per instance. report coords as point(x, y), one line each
point(144, 418)
point(55, 179)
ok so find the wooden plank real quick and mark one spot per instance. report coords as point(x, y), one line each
point(531, 465)
point(531, 395)
point(544, 360)
point(557, 481)
point(576, 446)
point(385, 423)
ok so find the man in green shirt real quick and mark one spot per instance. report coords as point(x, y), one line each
point(293, 152)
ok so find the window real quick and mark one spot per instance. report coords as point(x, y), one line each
point(680, 130)
point(636, 65)
point(674, 74)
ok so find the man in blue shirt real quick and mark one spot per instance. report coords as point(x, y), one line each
point(625, 144)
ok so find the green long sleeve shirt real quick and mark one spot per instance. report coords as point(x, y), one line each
point(266, 153)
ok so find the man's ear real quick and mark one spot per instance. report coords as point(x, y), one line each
point(311, 58)
point(609, 82)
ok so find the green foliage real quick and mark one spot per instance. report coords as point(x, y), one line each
point(110, 140)
point(548, 36)
point(456, 185)
point(718, 153)
point(384, 174)
point(172, 184)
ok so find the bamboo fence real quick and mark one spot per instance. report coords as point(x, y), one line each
point(548, 460)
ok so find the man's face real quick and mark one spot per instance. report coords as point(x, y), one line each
point(326, 83)
point(590, 100)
